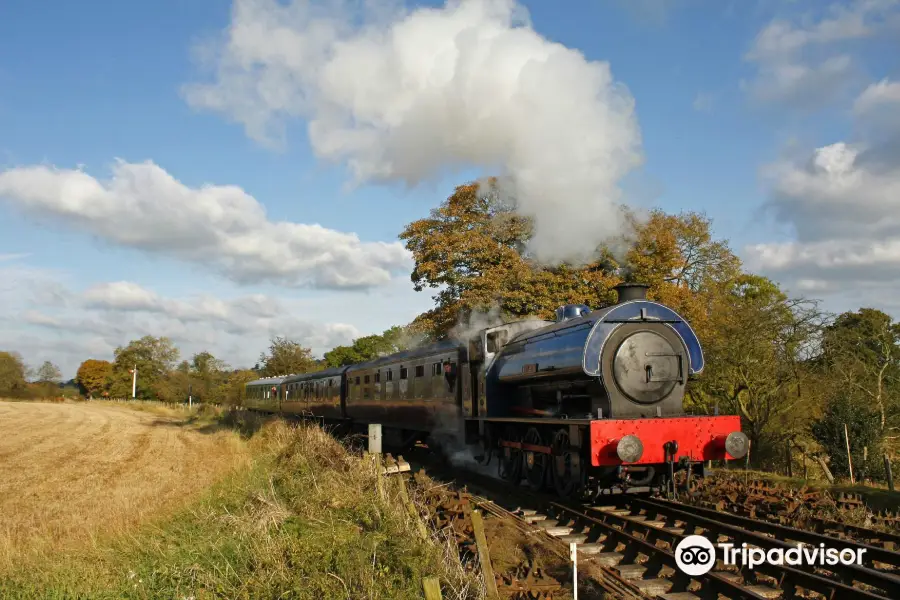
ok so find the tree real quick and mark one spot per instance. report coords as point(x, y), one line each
point(369, 347)
point(862, 351)
point(756, 355)
point(286, 357)
point(93, 377)
point(48, 373)
point(208, 373)
point(12, 375)
point(154, 358)
point(863, 424)
point(233, 390)
point(472, 248)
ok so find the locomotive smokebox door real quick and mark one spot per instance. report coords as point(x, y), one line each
point(647, 368)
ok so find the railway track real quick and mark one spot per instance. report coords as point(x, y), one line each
point(867, 535)
point(630, 544)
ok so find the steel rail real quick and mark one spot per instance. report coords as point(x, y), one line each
point(711, 582)
point(718, 525)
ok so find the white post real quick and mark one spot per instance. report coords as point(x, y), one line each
point(573, 554)
point(134, 383)
point(374, 438)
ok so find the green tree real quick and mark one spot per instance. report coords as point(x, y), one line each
point(12, 375)
point(286, 357)
point(233, 390)
point(861, 350)
point(756, 352)
point(369, 347)
point(208, 376)
point(93, 377)
point(863, 424)
point(48, 373)
point(154, 358)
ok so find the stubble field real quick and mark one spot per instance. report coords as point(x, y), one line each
point(74, 474)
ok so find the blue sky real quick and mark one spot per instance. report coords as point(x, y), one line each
point(731, 100)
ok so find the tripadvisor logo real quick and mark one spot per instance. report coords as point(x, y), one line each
point(695, 555)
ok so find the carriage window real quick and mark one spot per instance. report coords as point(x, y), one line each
point(390, 375)
point(403, 372)
point(378, 377)
point(435, 368)
point(366, 379)
point(357, 381)
point(420, 371)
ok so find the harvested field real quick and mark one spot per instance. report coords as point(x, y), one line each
point(73, 474)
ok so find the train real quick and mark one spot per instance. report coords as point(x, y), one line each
point(589, 403)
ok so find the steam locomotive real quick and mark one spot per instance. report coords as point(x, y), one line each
point(589, 403)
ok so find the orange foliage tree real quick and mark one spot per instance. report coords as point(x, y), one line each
point(93, 377)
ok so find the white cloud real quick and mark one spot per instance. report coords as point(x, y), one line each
point(47, 316)
point(799, 62)
point(219, 226)
point(843, 204)
point(405, 96)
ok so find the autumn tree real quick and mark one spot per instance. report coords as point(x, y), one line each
point(472, 249)
point(93, 377)
point(154, 358)
point(285, 357)
point(12, 375)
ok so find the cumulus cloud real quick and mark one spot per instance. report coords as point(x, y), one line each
point(142, 206)
point(843, 204)
point(804, 63)
point(403, 96)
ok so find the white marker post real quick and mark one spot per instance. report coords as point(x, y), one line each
point(134, 383)
point(374, 438)
point(573, 555)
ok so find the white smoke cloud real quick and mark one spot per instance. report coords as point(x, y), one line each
point(405, 96)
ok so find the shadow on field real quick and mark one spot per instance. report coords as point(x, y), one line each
point(246, 423)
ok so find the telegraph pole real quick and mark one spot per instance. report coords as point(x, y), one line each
point(134, 383)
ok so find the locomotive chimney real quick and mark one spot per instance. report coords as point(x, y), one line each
point(631, 291)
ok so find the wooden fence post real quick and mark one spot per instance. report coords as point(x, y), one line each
point(484, 555)
point(825, 469)
point(411, 508)
point(887, 471)
point(432, 588)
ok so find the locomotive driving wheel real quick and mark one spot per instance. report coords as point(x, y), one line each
point(535, 462)
point(569, 472)
point(509, 464)
point(487, 447)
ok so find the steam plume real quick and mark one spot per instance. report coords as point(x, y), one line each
point(407, 95)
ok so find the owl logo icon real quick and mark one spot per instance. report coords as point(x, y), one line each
point(695, 555)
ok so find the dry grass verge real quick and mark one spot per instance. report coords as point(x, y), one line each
point(303, 521)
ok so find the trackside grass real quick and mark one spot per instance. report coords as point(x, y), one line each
point(305, 520)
